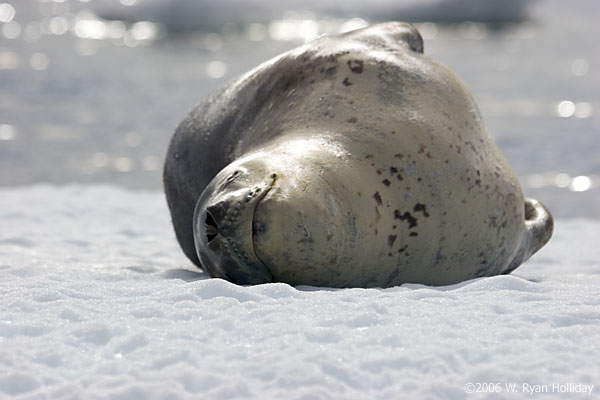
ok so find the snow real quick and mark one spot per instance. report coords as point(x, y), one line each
point(98, 302)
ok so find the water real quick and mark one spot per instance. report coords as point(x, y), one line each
point(92, 101)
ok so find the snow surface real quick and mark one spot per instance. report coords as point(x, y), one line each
point(97, 301)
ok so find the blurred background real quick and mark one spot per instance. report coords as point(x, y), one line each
point(91, 90)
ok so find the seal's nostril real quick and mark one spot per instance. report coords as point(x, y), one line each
point(212, 230)
point(531, 212)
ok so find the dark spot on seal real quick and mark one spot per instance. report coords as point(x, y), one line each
point(386, 182)
point(232, 178)
point(329, 66)
point(470, 144)
point(258, 228)
point(332, 261)
point(347, 82)
point(421, 208)
point(356, 66)
point(482, 255)
point(391, 240)
point(377, 198)
point(352, 120)
point(413, 234)
point(412, 221)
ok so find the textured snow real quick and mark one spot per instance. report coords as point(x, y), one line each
point(97, 301)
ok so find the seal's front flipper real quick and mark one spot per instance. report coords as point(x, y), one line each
point(539, 226)
point(390, 34)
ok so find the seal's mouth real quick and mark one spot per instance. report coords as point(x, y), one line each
point(257, 226)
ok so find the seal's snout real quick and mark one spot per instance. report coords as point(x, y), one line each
point(223, 238)
point(223, 230)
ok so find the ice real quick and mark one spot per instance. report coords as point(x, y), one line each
point(98, 302)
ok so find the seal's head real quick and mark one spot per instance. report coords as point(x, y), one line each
point(223, 222)
point(273, 214)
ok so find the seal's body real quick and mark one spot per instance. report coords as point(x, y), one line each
point(353, 160)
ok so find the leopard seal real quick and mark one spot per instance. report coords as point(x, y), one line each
point(351, 161)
